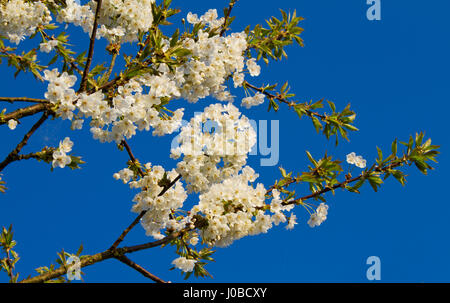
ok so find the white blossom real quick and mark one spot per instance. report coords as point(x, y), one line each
point(319, 216)
point(356, 160)
point(60, 157)
point(256, 100)
point(292, 222)
point(12, 124)
point(253, 68)
point(48, 46)
point(185, 265)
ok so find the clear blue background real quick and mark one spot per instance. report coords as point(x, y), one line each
point(395, 73)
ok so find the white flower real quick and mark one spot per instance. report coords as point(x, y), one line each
point(66, 145)
point(194, 241)
point(256, 100)
point(253, 67)
point(185, 265)
point(292, 222)
point(356, 160)
point(319, 216)
point(12, 124)
point(360, 162)
point(125, 175)
point(77, 124)
point(60, 159)
point(351, 158)
point(47, 47)
point(192, 18)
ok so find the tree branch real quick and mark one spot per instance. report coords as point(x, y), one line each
point(99, 257)
point(25, 112)
point(132, 157)
point(22, 99)
point(140, 269)
point(227, 16)
point(344, 183)
point(91, 48)
point(277, 97)
point(14, 155)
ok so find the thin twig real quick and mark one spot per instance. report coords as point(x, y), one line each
point(22, 99)
point(132, 157)
point(344, 183)
point(13, 156)
point(25, 112)
point(91, 48)
point(227, 16)
point(277, 97)
point(137, 267)
point(111, 66)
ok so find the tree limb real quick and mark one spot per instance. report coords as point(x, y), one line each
point(22, 99)
point(91, 48)
point(14, 155)
point(140, 269)
point(25, 112)
point(99, 257)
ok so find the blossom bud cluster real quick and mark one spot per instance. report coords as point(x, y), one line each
point(19, 18)
point(159, 208)
point(211, 155)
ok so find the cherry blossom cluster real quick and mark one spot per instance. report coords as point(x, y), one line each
point(235, 209)
point(60, 157)
point(232, 209)
point(131, 109)
point(159, 209)
point(356, 160)
point(209, 18)
point(215, 145)
point(79, 15)
point(19, 18)
point(119, 20)
point(213, 60)
point(319, 215)
point(60, 92)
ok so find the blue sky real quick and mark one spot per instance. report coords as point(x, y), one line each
point(394, 72)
